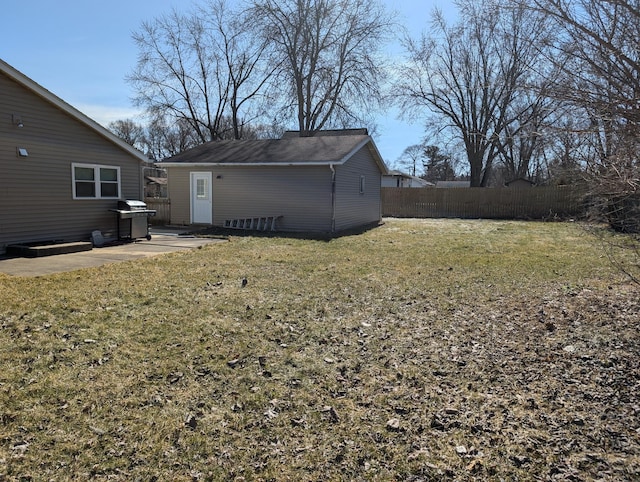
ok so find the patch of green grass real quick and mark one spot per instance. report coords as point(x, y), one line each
point(420, 350)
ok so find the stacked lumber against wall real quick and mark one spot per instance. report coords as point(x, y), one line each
point(489, 203)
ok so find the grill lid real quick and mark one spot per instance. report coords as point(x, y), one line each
point(131, 205)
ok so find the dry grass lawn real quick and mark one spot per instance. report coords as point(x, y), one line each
point(420, 350)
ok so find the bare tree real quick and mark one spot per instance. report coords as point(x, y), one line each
point(411, 157)
point(130, 132)
point(331, 72)
point(468, 76)
point(598, 46)
point(600, 61)
point(249, 66)
point(526, 137)
point(199, 68)
point(164, 140)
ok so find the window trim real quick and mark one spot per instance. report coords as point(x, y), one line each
point(362, 184)
point(96, 180)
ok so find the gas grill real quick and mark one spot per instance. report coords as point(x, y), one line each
point(133, 219)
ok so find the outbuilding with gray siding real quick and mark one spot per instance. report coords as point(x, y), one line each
point(327, 183)
point(61, 171)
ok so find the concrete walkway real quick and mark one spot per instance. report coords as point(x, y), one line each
point(162, 241)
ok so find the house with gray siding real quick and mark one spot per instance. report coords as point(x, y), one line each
point(401, 179)
point(327, 183)
point(61, 171)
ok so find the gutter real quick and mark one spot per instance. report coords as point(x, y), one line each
point(333, 198)
point(206, 164)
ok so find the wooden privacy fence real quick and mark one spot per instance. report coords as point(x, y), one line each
point(162, 207)
point(475, 203)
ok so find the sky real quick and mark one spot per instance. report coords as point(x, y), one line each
point(82, 50)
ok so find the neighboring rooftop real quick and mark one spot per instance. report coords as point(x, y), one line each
point(454, 184)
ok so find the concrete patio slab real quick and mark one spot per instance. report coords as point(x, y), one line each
point(162, 241)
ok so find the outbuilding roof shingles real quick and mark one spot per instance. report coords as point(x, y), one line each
point(291, 150)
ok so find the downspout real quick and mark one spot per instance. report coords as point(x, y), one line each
point(333, 198)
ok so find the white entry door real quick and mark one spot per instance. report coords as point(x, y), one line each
point(201, 199)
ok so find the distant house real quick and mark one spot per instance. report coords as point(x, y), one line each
point(452, 184)
point(322, 184)
point(520, 183)
point(61, 171)
point(400, 179)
